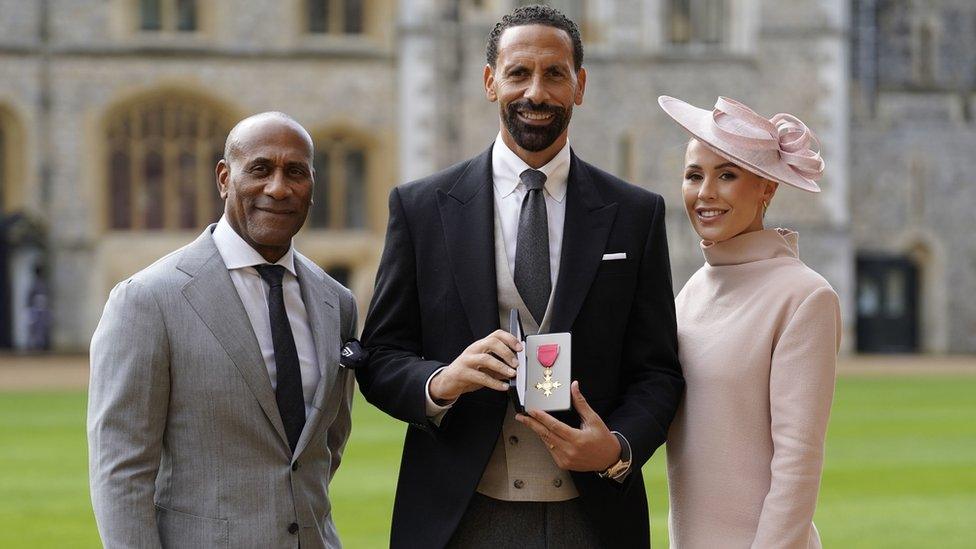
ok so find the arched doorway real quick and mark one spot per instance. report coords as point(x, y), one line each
point(6, 331)
point(22, 240)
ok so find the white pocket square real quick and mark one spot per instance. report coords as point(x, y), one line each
point(611, 257)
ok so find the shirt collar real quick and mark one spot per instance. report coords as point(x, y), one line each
point(506, 167)
point(238, 254)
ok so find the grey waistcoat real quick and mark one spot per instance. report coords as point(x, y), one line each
point(520, 467)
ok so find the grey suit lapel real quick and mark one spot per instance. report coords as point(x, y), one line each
point(211, 293)
point(322, 305)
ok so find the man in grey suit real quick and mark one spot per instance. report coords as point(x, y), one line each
point(217, 409)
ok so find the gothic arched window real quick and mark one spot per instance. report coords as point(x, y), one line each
point(161, 158)
point(341, 176)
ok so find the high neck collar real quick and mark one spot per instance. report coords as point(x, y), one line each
point(751, 246)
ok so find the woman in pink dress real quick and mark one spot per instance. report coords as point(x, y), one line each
point(758, 335)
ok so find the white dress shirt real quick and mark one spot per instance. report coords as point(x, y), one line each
point(240, 259)
point(506, 167)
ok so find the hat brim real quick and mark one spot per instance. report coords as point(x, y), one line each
point(699, 123)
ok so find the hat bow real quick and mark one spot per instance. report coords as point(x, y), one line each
point(783, 132)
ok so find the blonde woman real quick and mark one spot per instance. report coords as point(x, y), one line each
point(758, 334)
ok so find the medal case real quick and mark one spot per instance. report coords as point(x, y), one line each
point(545, 370)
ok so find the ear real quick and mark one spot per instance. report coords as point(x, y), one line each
point(223, 178)
point(580, 85)
point(311, 199)
point(489, 78)
point(769, 190)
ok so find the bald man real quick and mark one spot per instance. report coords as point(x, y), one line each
point(218, 411)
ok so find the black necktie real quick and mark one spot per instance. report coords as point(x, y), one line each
point(532, 273)
point(288, 392)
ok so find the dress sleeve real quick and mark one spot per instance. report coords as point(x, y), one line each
point(395, 380)
point(801, 388)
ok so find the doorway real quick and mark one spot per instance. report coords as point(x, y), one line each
point(6, 325)
point(887, 304)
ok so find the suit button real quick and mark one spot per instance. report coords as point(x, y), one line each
point(513, 440)
point(293, 528)
point(557, 483)
point(294, 466)
point(518, 484)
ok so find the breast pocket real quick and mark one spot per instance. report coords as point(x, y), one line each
point(612, 267)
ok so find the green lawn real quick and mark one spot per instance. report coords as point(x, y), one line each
point(901, 470)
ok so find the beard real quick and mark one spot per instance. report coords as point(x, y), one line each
point(535, 138)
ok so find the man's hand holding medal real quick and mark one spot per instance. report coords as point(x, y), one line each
point(488, 362)
point(592, 447)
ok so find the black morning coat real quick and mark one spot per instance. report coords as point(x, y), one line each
point(435, 294)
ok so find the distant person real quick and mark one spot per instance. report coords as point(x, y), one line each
point(758, 335)
point(524, 225)
point(38, 313)
point(217, 409)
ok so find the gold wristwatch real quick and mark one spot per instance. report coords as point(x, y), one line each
point(618, 469)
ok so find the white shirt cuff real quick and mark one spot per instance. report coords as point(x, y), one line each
point(435, 412)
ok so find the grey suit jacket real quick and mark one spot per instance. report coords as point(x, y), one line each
point(186, 446)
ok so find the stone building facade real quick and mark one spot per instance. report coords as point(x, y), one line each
point(913, 171)
point(107, 98)
point(110, 112)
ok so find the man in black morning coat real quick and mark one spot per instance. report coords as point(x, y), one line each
point(440, 363)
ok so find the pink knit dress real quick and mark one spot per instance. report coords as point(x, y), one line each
point(758, 334)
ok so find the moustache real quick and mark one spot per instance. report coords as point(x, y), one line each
point(527, 105)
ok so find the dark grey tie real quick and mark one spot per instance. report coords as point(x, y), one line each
point(288, 389)
point(532, 273)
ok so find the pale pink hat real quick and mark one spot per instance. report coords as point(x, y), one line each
point(778, 149)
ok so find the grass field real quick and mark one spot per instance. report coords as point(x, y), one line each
point(901, 470)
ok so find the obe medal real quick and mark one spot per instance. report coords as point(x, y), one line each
point(547, 355)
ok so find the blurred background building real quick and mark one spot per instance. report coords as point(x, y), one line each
point(113, 114)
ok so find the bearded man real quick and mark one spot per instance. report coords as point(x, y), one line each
point(525, 225)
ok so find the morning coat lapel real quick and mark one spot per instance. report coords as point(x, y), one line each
point(212, 295)
point(322, 305)
point(585, 233)
point(468, 219)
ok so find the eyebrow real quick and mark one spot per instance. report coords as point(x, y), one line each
point(719, 167)
point(288, 164)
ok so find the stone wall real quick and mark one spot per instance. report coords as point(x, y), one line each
point(913, 171)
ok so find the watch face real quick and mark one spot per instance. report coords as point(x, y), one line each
point(619, 468)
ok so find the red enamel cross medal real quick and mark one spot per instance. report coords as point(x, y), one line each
point(547, 356)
